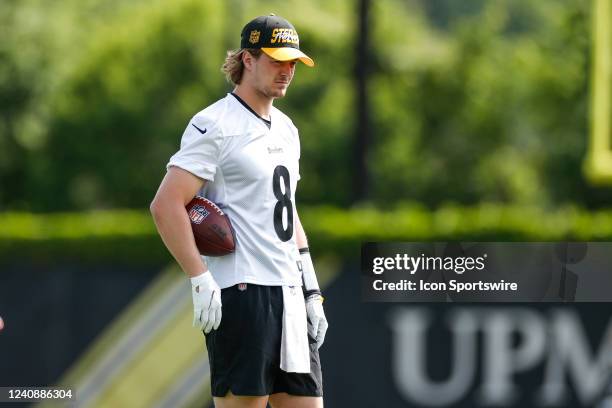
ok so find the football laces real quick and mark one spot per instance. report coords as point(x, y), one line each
point(216, 208)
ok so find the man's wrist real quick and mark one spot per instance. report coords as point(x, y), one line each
point(315, 297)
point(311, 293)
point(200, 279)
point(309, 278)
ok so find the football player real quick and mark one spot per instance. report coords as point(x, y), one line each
point(259, 307)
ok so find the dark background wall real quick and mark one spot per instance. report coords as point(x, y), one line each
point(53, 312)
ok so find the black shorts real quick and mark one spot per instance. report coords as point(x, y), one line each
point(244, 352)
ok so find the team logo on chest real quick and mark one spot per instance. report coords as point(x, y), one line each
point(274, 149)
point(198, 214)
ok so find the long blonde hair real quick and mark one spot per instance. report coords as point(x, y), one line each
point(233, 66)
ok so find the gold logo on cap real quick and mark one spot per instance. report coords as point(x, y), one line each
point(254, 37)
point(285, 35)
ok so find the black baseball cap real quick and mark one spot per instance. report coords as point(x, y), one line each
point(276, 37)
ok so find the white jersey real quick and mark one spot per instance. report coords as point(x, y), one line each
point(252, 174)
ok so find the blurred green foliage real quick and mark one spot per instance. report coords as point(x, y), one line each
point(130, 236)
point(485, 104)
point(472, 101)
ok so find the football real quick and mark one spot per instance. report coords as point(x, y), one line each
point(212, 229)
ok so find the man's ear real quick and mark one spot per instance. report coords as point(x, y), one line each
point(247, 60)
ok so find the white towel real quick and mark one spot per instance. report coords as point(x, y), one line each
point(295, 353)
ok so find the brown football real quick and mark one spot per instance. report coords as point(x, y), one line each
point(212, 230)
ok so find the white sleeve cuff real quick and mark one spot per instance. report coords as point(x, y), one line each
point(197, 169)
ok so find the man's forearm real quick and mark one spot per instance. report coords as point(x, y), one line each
point(174, 227)
point(300, 234)
point(309, 278)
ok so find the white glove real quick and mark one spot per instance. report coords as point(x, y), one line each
point(206, 296)
point(314, 301)
point(318, 322)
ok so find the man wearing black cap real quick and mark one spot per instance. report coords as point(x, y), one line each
point(243, 154)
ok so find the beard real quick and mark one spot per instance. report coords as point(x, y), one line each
point(274, 91)
point(277, 89)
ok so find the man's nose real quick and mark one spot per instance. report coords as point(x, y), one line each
point(287, 67)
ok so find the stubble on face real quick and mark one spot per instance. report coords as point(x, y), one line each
point(272, 81)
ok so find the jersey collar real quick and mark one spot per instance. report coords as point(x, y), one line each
point(268, 123)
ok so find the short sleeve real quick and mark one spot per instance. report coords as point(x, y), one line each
point(200, 149)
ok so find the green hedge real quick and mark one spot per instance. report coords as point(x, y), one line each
point(130, 236)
